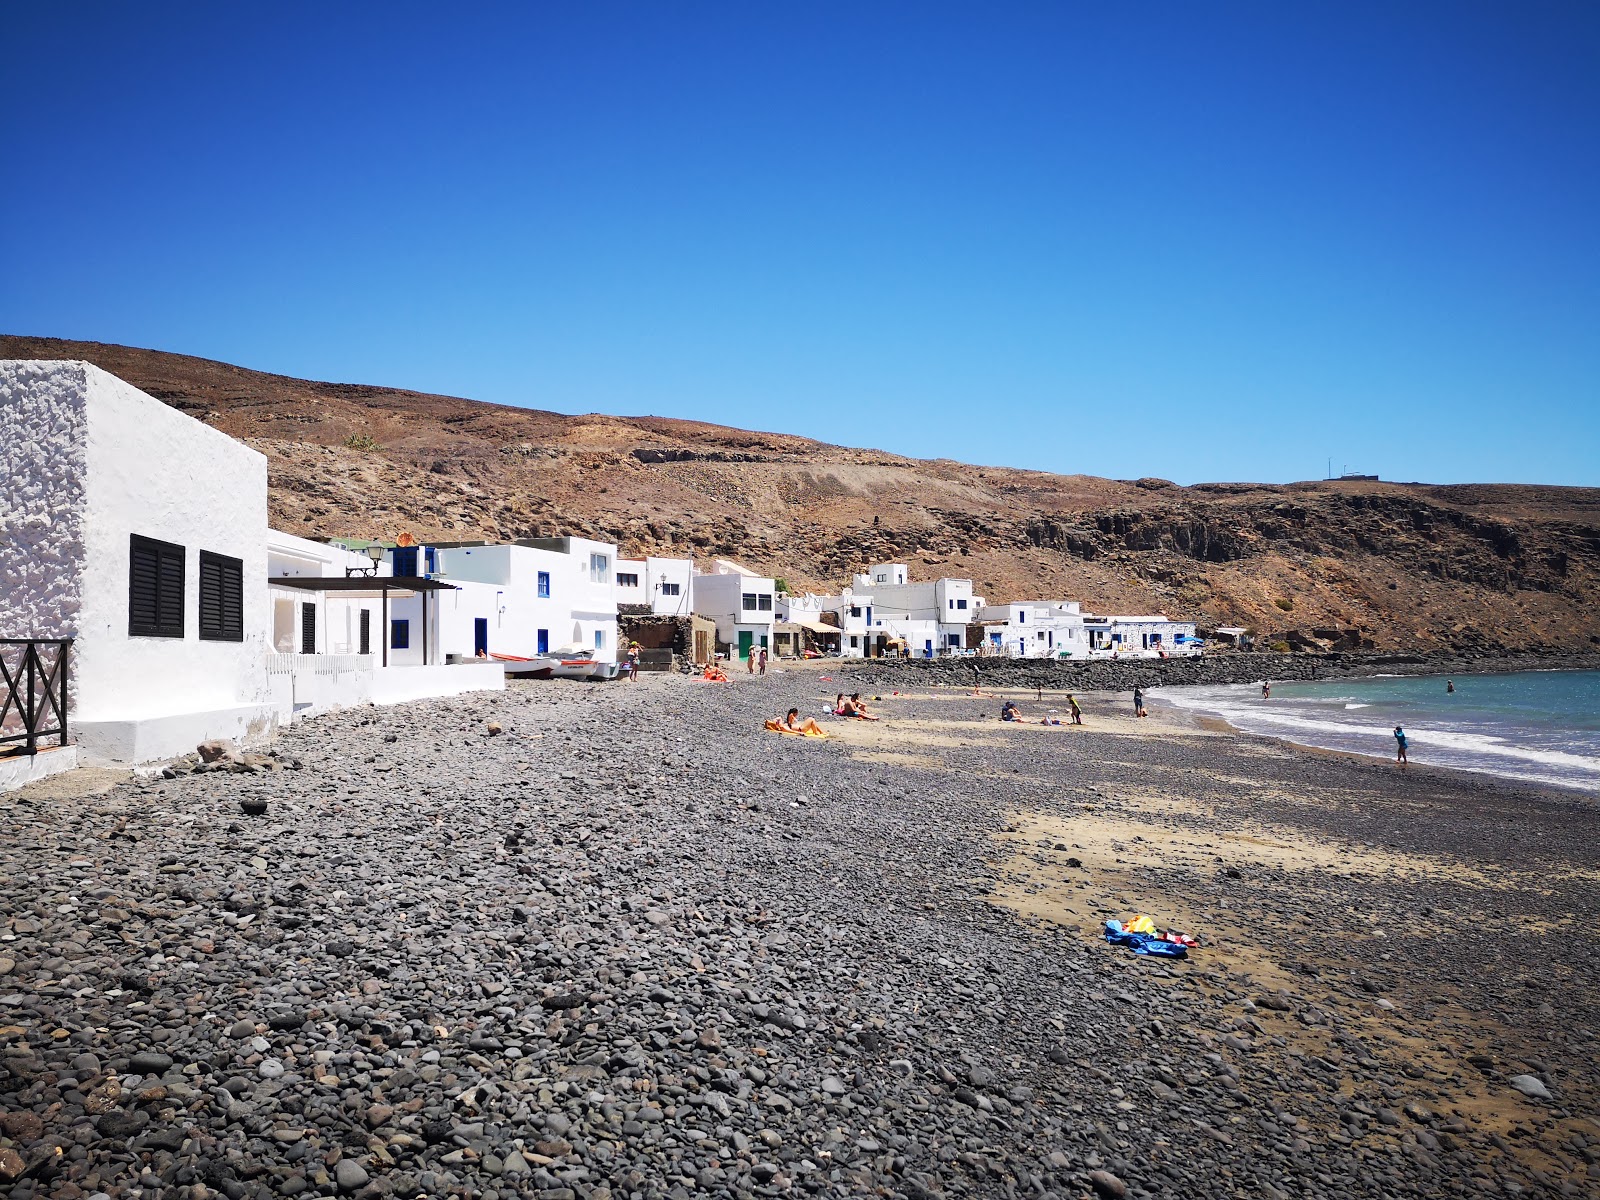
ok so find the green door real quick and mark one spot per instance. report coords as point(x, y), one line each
point(744, 643)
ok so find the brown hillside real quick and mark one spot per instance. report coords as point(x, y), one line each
point(1404, 566)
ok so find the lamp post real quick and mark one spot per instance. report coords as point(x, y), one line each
point(373, 552)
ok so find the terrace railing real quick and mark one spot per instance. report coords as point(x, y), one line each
point(33, 691)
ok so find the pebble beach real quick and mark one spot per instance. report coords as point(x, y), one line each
point(617, 941)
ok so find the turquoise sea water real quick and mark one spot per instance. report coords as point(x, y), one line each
point(1542, 726)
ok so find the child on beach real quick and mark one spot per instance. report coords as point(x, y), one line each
point(1077, 713)
point(1138, 703)
point(1400, 746)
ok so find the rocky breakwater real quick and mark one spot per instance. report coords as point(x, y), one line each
point(628, 944)
point(1120, 675)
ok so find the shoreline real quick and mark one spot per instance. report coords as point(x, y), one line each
point(1554, 791)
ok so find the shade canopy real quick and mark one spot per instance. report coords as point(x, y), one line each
point(362, 583)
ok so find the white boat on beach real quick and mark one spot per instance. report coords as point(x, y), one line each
point(575, 662)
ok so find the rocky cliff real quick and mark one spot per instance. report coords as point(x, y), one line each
point(1482, 568)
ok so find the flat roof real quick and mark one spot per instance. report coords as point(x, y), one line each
point(361, 583)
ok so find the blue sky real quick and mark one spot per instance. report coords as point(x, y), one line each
point(1205, 242)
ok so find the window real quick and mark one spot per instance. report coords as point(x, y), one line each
point(764, 603)
point(952, 604)
point(366, 631)
point(599, 568)
point(599, 639)
point(953, 641)
point(1022, 617)
point(308, 628)
point(155, 588)
point(749, 602)
point(855, 610)
point(544, 585)
point(671, 589)
point(399, 635)
point(627, 579)
point(855, 642)
point(544, 641)
point(405, 560)
point(961, 603)
point(221, 598)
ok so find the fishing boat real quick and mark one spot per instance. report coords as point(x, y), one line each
point(526, 668)
point(575, 662)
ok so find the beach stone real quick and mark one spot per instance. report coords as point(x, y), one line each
point(1107, 1185)
point(350, 1175)
point(1530, 1086)
point(150, 1062)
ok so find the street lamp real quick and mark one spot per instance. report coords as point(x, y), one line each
point(375, 553)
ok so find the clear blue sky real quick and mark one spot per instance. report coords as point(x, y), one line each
point(1202, 241)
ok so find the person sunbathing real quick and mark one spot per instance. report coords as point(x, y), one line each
point(715, 674)
point(792, 723)
point(860, 707)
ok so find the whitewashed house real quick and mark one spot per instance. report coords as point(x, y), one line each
point(741, 603)
point(528, 599)
point(930, 618)
point(1139, 637)
point(666, 585)
point(140, 533)
point(1034, 629)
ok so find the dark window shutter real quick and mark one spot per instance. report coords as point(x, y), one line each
point(366, 631)
point(155, 588)
point(308, 629)
point(221, 597)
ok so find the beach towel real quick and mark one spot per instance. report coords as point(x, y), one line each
point(777, 727)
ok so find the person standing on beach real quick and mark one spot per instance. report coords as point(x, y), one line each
point(1449, 687)
point(1266, 690)
point(1077, 713)
point(1400, 746)
point(763, 660)
point(1138, 703)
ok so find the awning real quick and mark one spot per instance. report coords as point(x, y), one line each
point(817, 627)
point(361, 583)
point(382, 584)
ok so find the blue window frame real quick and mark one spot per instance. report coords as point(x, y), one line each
point(544, 641)
point(544, 584)
point(399, 635)
point(599, 639)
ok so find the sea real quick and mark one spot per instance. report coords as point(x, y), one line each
point(1540, 726)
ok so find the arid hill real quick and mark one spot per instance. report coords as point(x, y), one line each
point(1415, 567)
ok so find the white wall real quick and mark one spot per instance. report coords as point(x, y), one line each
point(578, 607)
point(156, 472)
point(42, 501)
point(89, 461)
point(720, 598)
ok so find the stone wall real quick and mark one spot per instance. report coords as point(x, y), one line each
point(1123, 674)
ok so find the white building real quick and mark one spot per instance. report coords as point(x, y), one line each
point(1139, 637)
point(1034, 629)
point(929, 617)
point(140, 533)
point(665, 584)
point(742, 605)
point(528, 599)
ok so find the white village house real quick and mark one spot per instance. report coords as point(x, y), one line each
point(141, 535)
point(1033, 629)
point(741, 603)
point(928, 618)
point(664, 585)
